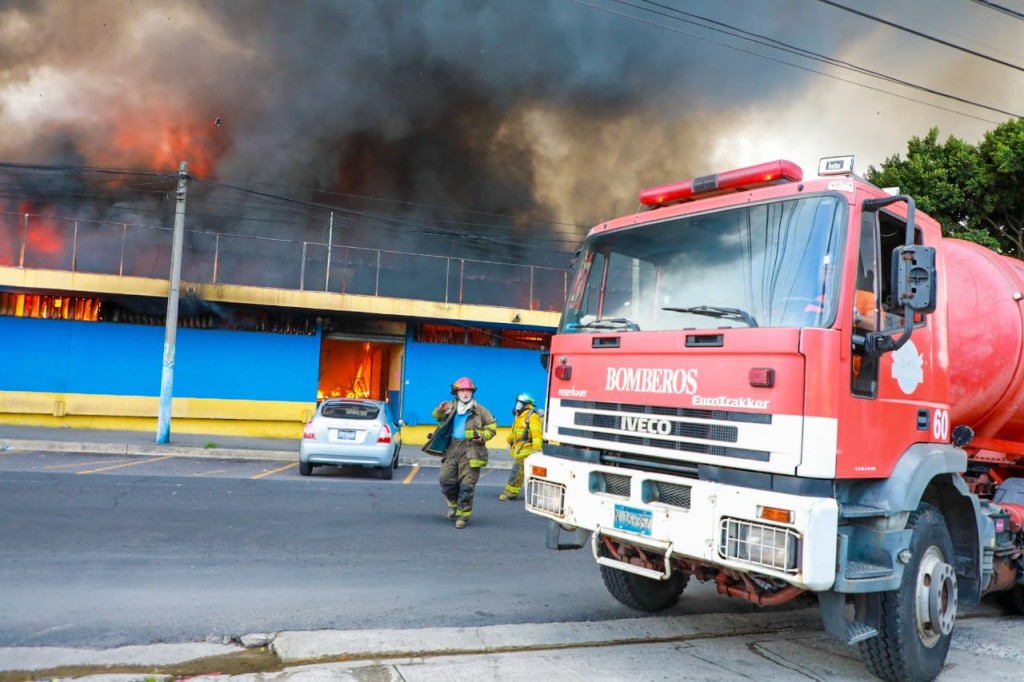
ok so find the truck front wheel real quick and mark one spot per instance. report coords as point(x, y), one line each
point(640, 593)
point(916, 620)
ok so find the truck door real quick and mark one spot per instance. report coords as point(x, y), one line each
point(887, 391)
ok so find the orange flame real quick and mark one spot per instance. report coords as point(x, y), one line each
point(161, 141)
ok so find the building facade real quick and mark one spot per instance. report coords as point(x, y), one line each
point(265, 329)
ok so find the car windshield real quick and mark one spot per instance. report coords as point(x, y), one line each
point(762, 265)
point(349, 411)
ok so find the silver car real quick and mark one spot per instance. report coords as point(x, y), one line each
point(351, 432)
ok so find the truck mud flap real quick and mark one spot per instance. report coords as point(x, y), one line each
point(664, 548)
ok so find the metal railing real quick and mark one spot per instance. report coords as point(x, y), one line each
point(55, 243)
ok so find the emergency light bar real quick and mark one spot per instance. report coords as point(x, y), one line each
point(750, 177)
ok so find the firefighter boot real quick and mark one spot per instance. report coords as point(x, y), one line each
point(505, 497)
point(451, 512)
point(460, 522)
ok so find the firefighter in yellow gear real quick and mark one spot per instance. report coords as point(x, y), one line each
point(524, 438)
point(461, 441)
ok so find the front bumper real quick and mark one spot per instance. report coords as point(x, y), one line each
point(699, 520)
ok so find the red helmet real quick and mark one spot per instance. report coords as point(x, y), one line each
point(463, 384)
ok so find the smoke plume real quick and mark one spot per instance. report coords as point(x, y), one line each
point(512, 124)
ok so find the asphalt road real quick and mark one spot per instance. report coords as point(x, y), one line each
point(107, 551)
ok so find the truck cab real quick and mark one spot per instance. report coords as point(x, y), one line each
point(750, 386)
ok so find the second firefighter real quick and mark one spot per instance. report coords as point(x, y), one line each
point(524, 439)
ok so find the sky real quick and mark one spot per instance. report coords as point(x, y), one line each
point(522, 121)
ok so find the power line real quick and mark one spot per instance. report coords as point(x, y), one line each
point(920, 34)
point(511, 250)
point(999, 8)
point(794, 50)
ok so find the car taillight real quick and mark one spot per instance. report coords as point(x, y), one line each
point(385, 434)
point(308, 433)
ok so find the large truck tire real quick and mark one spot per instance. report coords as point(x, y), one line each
point(916, 620)
point(640, 593)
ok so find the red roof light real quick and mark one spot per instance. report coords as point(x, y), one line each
point(750, 177)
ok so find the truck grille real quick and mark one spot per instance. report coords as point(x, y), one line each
point(671, 494)
point(686, 412)
point(614, 484)
point(689, 423)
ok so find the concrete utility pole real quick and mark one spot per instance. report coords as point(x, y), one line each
point(330, 242)
point(163, 427)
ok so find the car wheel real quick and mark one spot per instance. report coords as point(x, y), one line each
point(305, 468)
point(394, 460)
point(387, 473)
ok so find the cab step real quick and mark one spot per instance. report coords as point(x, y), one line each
point(859, 511)
point(862, 570)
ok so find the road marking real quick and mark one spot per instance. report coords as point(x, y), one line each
point(415, 470)
point(126, 464)
point(79, 464)
point(208, 473)
point(275, 471)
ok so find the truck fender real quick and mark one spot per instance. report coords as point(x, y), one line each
point(927, 472)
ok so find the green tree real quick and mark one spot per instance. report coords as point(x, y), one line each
point(999, 186)
point(975, 192)
point(941, 178)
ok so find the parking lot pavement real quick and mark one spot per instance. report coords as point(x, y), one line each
point(50, 439)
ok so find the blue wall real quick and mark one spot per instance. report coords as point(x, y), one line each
point(500, 374)
point(64, 356)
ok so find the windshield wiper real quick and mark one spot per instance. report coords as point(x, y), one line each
point(715, 311)
point(610, 323)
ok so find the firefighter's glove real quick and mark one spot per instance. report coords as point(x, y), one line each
point(477, 463)
point(444, 407)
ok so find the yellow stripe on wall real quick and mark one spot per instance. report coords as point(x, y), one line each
point(255, 418)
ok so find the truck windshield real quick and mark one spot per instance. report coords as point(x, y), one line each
point(762, 265)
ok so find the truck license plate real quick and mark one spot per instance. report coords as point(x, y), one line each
point(633, 520)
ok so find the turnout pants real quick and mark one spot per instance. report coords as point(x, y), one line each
point(458, 479)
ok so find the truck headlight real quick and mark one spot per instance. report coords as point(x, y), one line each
point(545, 496)
point(758, 543)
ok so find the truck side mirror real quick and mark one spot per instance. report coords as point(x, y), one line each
point(545, 357)
point(913, 273)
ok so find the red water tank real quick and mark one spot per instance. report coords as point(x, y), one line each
point(986, 339)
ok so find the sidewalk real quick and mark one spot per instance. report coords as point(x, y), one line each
point(52, 439)
point(784, 646)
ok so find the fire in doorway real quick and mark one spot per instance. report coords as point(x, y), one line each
point(354, 369)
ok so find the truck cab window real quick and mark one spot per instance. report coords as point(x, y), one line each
point(763, 265)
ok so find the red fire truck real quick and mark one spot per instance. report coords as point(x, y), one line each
point(788, 387)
